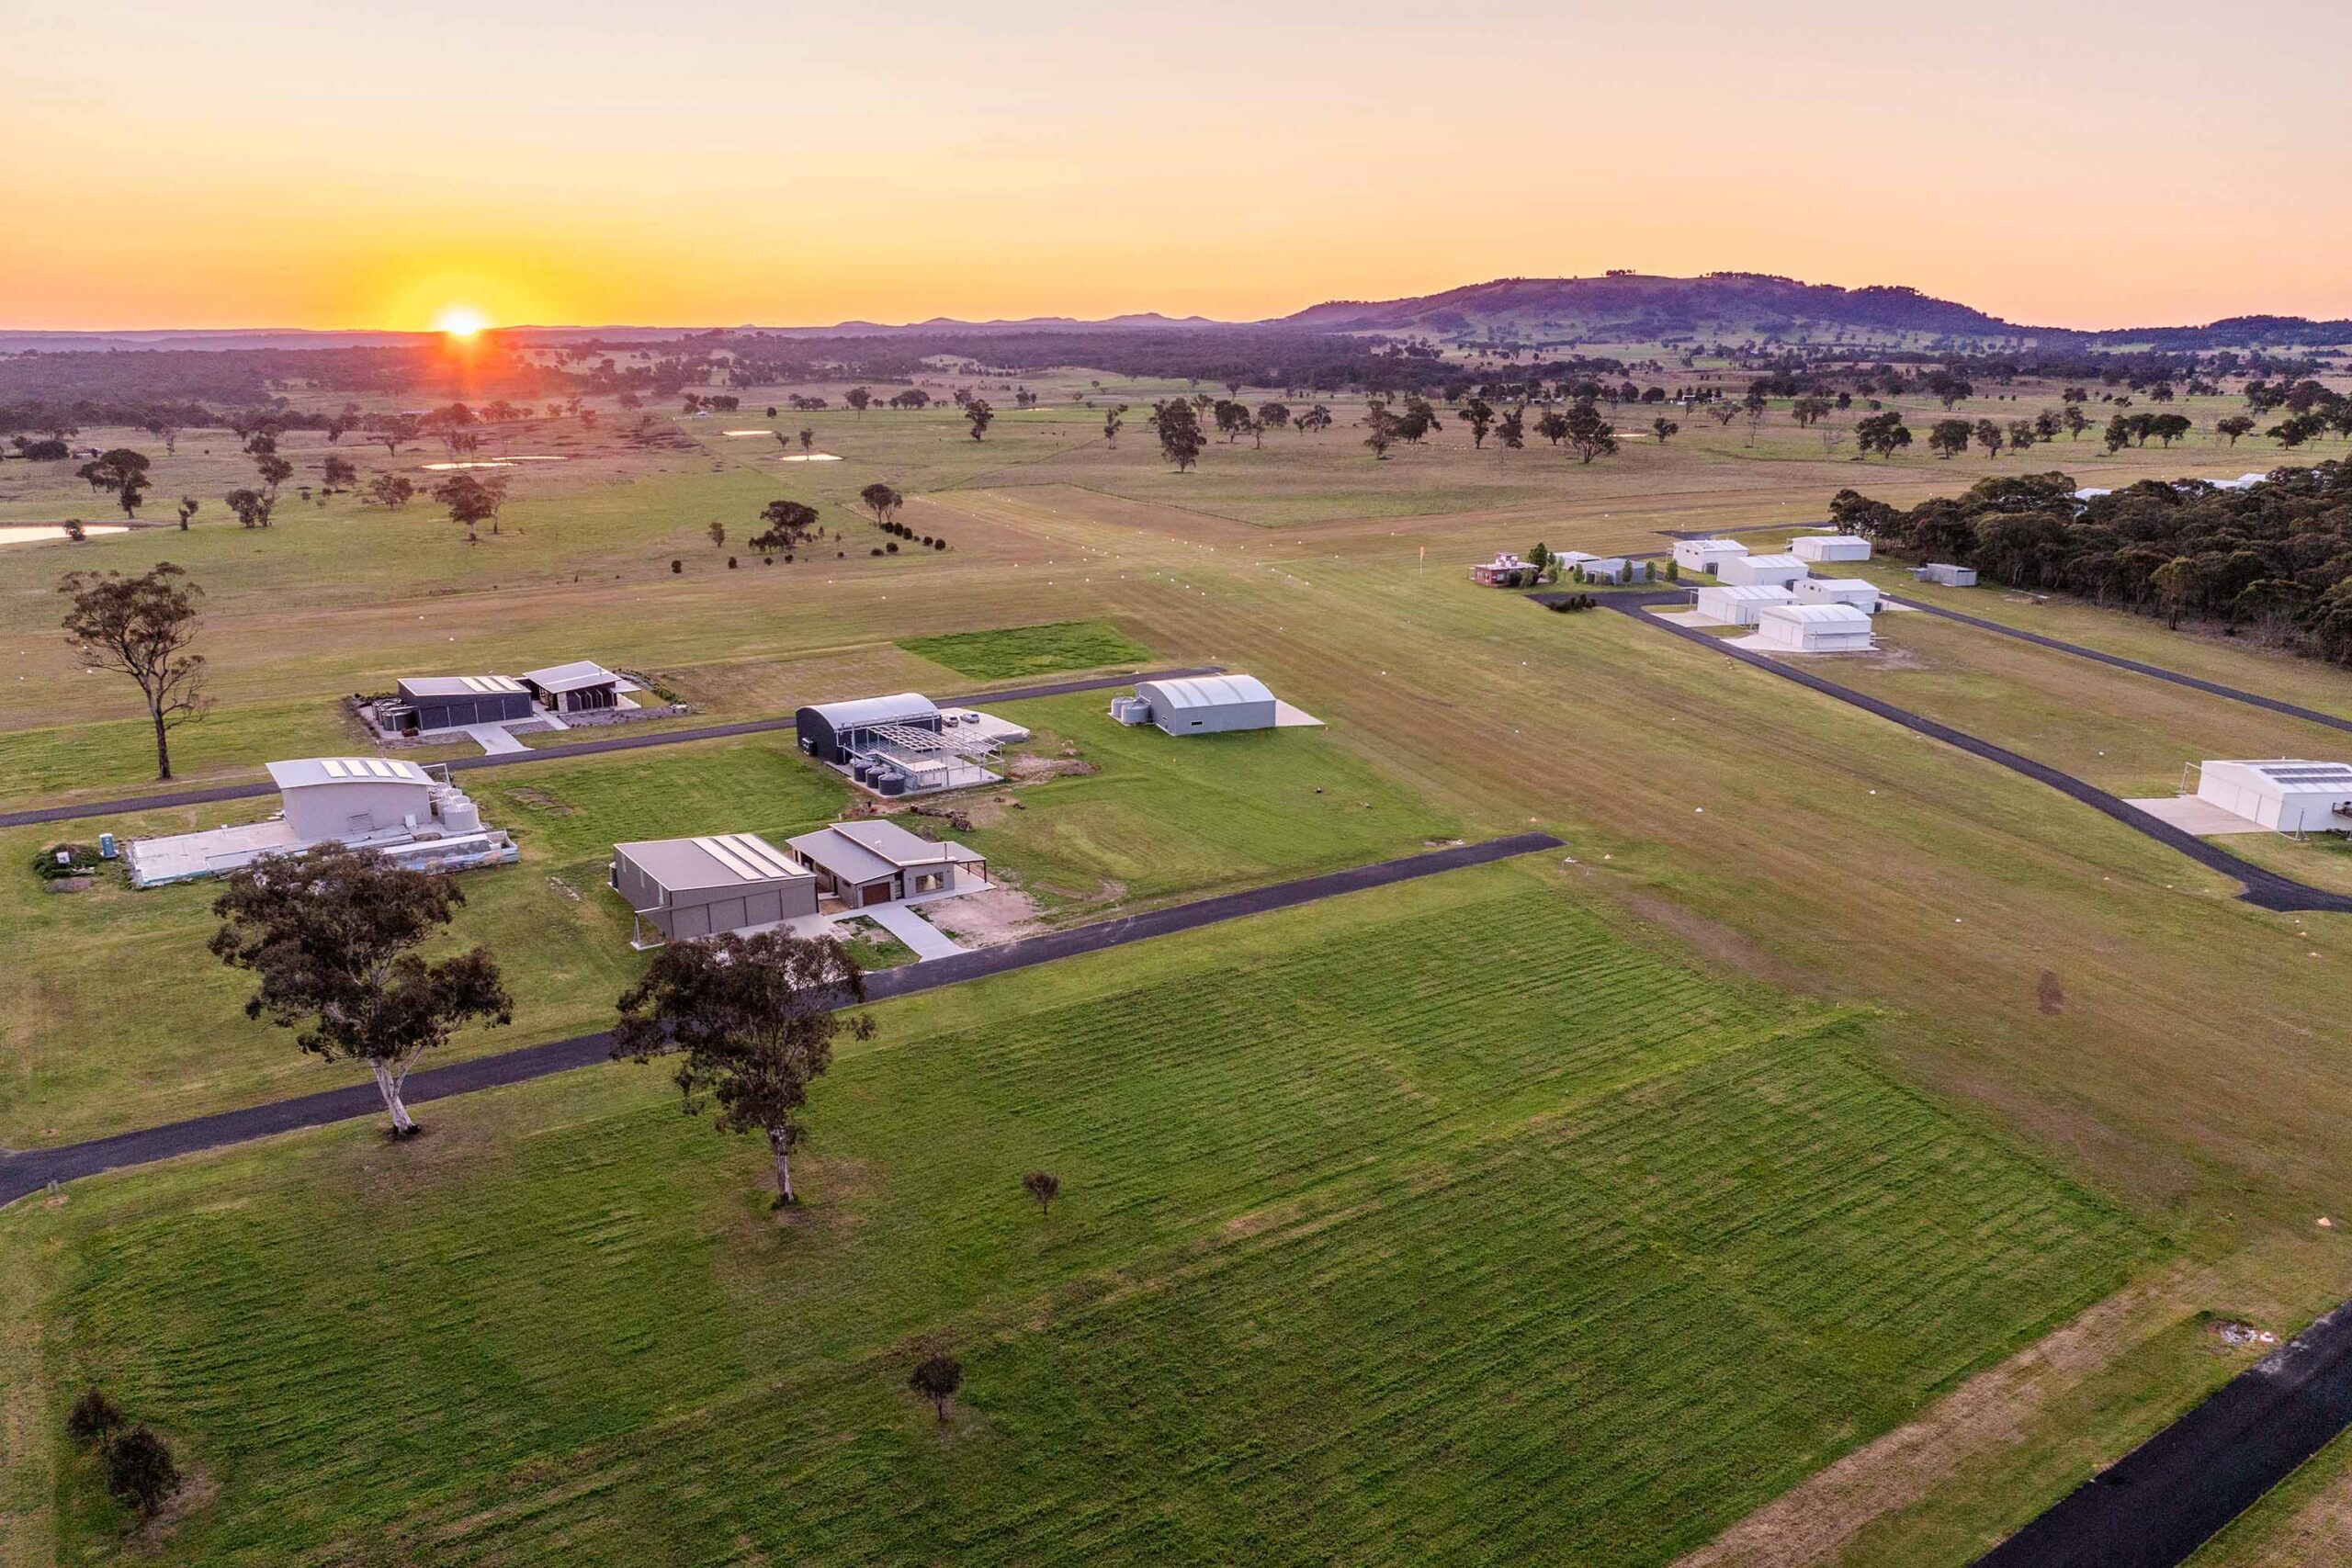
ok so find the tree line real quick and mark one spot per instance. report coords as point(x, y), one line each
point(2275, 558)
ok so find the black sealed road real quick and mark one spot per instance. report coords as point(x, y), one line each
point(2166, 1497)
point(2117, 661)
point(202, 797)
point(2264, 888)
point(30, 1170)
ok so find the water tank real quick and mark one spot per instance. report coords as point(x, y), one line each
point(459, 814)
point(862, 771)
point(889, 780)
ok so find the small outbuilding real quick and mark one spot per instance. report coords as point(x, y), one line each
point(352, 798)
point(1208, 705)
point(1506, 570)
point(581, 686)
point(1766, 572)
point(452, 702)
point(877, 861)
point(682, 888)
point(1945, 574)
point(1829, 546)
point(1739, 606)
point(1812, 628)
point(1858, 591)
point(2290, 794)
point(1615, 569)
point(1706, 555)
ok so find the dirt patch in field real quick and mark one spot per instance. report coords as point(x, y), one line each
point(985, 920)
point(540, 800)
point(1028, 768)
point(2049, 995)
point(1891, 656)
point(1717, 942)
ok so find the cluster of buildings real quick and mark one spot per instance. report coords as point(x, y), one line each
point(1791, 609)
point(905, 743)
point(678, 889)
point(429, 704)
point(1508, 571)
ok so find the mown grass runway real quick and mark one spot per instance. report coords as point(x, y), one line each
point(1436, 1222)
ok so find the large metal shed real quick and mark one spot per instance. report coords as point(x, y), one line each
point(448, 702)
point(1739, 607)
point(352, 798)
point(1762, 571)
point(1830, 547)
point(683, 888)
point(2292, 794)
point(833, 732)
point(1209, 705)
point(1813, 629)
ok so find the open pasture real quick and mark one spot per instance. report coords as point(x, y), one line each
point(1587, 1262)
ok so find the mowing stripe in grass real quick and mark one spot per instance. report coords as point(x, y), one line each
point(2264, 888)
point(577, 749)
point(27, 1171)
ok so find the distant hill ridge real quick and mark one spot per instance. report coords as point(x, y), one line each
point(1619, 306)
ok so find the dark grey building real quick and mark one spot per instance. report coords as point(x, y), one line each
point(682, 888)
point(833, 732)
point(445, 702)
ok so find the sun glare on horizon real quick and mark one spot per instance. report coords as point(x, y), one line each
point(460, 320)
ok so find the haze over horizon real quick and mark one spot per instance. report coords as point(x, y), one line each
point(265, 165)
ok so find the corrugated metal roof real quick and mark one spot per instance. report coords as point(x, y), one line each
point(1206, 690)
point(1818, 615)
point(304, 771)
point(1841, 584)
point(572, 676)
point(1749, 593)
point(1717, 546)
point(719, 860)
point(459, 686)
point(897, 709)
point(1775, 563)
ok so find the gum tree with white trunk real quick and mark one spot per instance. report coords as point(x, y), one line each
point(752, 1020)
point(332, 935)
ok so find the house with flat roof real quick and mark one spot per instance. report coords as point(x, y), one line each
point(413, 815)
point(683, 888)
point(877, 861)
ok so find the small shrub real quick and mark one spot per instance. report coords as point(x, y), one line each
point(892, 546)
point(730, 563)
point(937, 1377)
point(940, 546)
point(875, 550)
point(93, 1419)
point(677, 569)
point(1044, 1187)
point(140, 1472)
point(80, 860)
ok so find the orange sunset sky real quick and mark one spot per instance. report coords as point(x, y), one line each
point(692, 162)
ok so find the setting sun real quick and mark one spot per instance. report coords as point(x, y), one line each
point(460, 320)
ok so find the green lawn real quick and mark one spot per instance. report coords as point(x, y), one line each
point(1431, 1223)
point(1029, 651)
point(118, 1017)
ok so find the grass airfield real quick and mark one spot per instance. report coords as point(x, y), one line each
point(1902, 911)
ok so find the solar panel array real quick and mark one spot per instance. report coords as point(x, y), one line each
point(362, 767)
point(488, 684)
point(750, 858)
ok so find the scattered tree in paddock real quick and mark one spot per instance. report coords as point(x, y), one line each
point(391, 491)
point(190, 507)
point(1991, 436)
point(1044, 1187)
point(1807, 410)
point(140, 1471)
point(789, 525)
point(2232, 427)
point(253, 508)
point(473, 502)
point(1552, 426)
point(1511, 428)
point(122, 472)
point(1948, 438)
point(332, 935)
point(2297, 429)
point(1590, 435)
point(142, 626)
point(1273, 416)
point(808, 439)
point(754, 1019)
point(1178, 426)
point(858, 398)
point(339, 473)
point(1380, 426)
point(937, 1377)
point(980, 415)
point(1479, 417)
point(2169, 428)
point(1111, 422)
point(1314, 421)
point(2022, 434)
point(1722, 411)
point(1883, 433)
point(717, 532)
point(1232, 418)
point(273, 470)
point(881, 501)
point(1661, 427)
